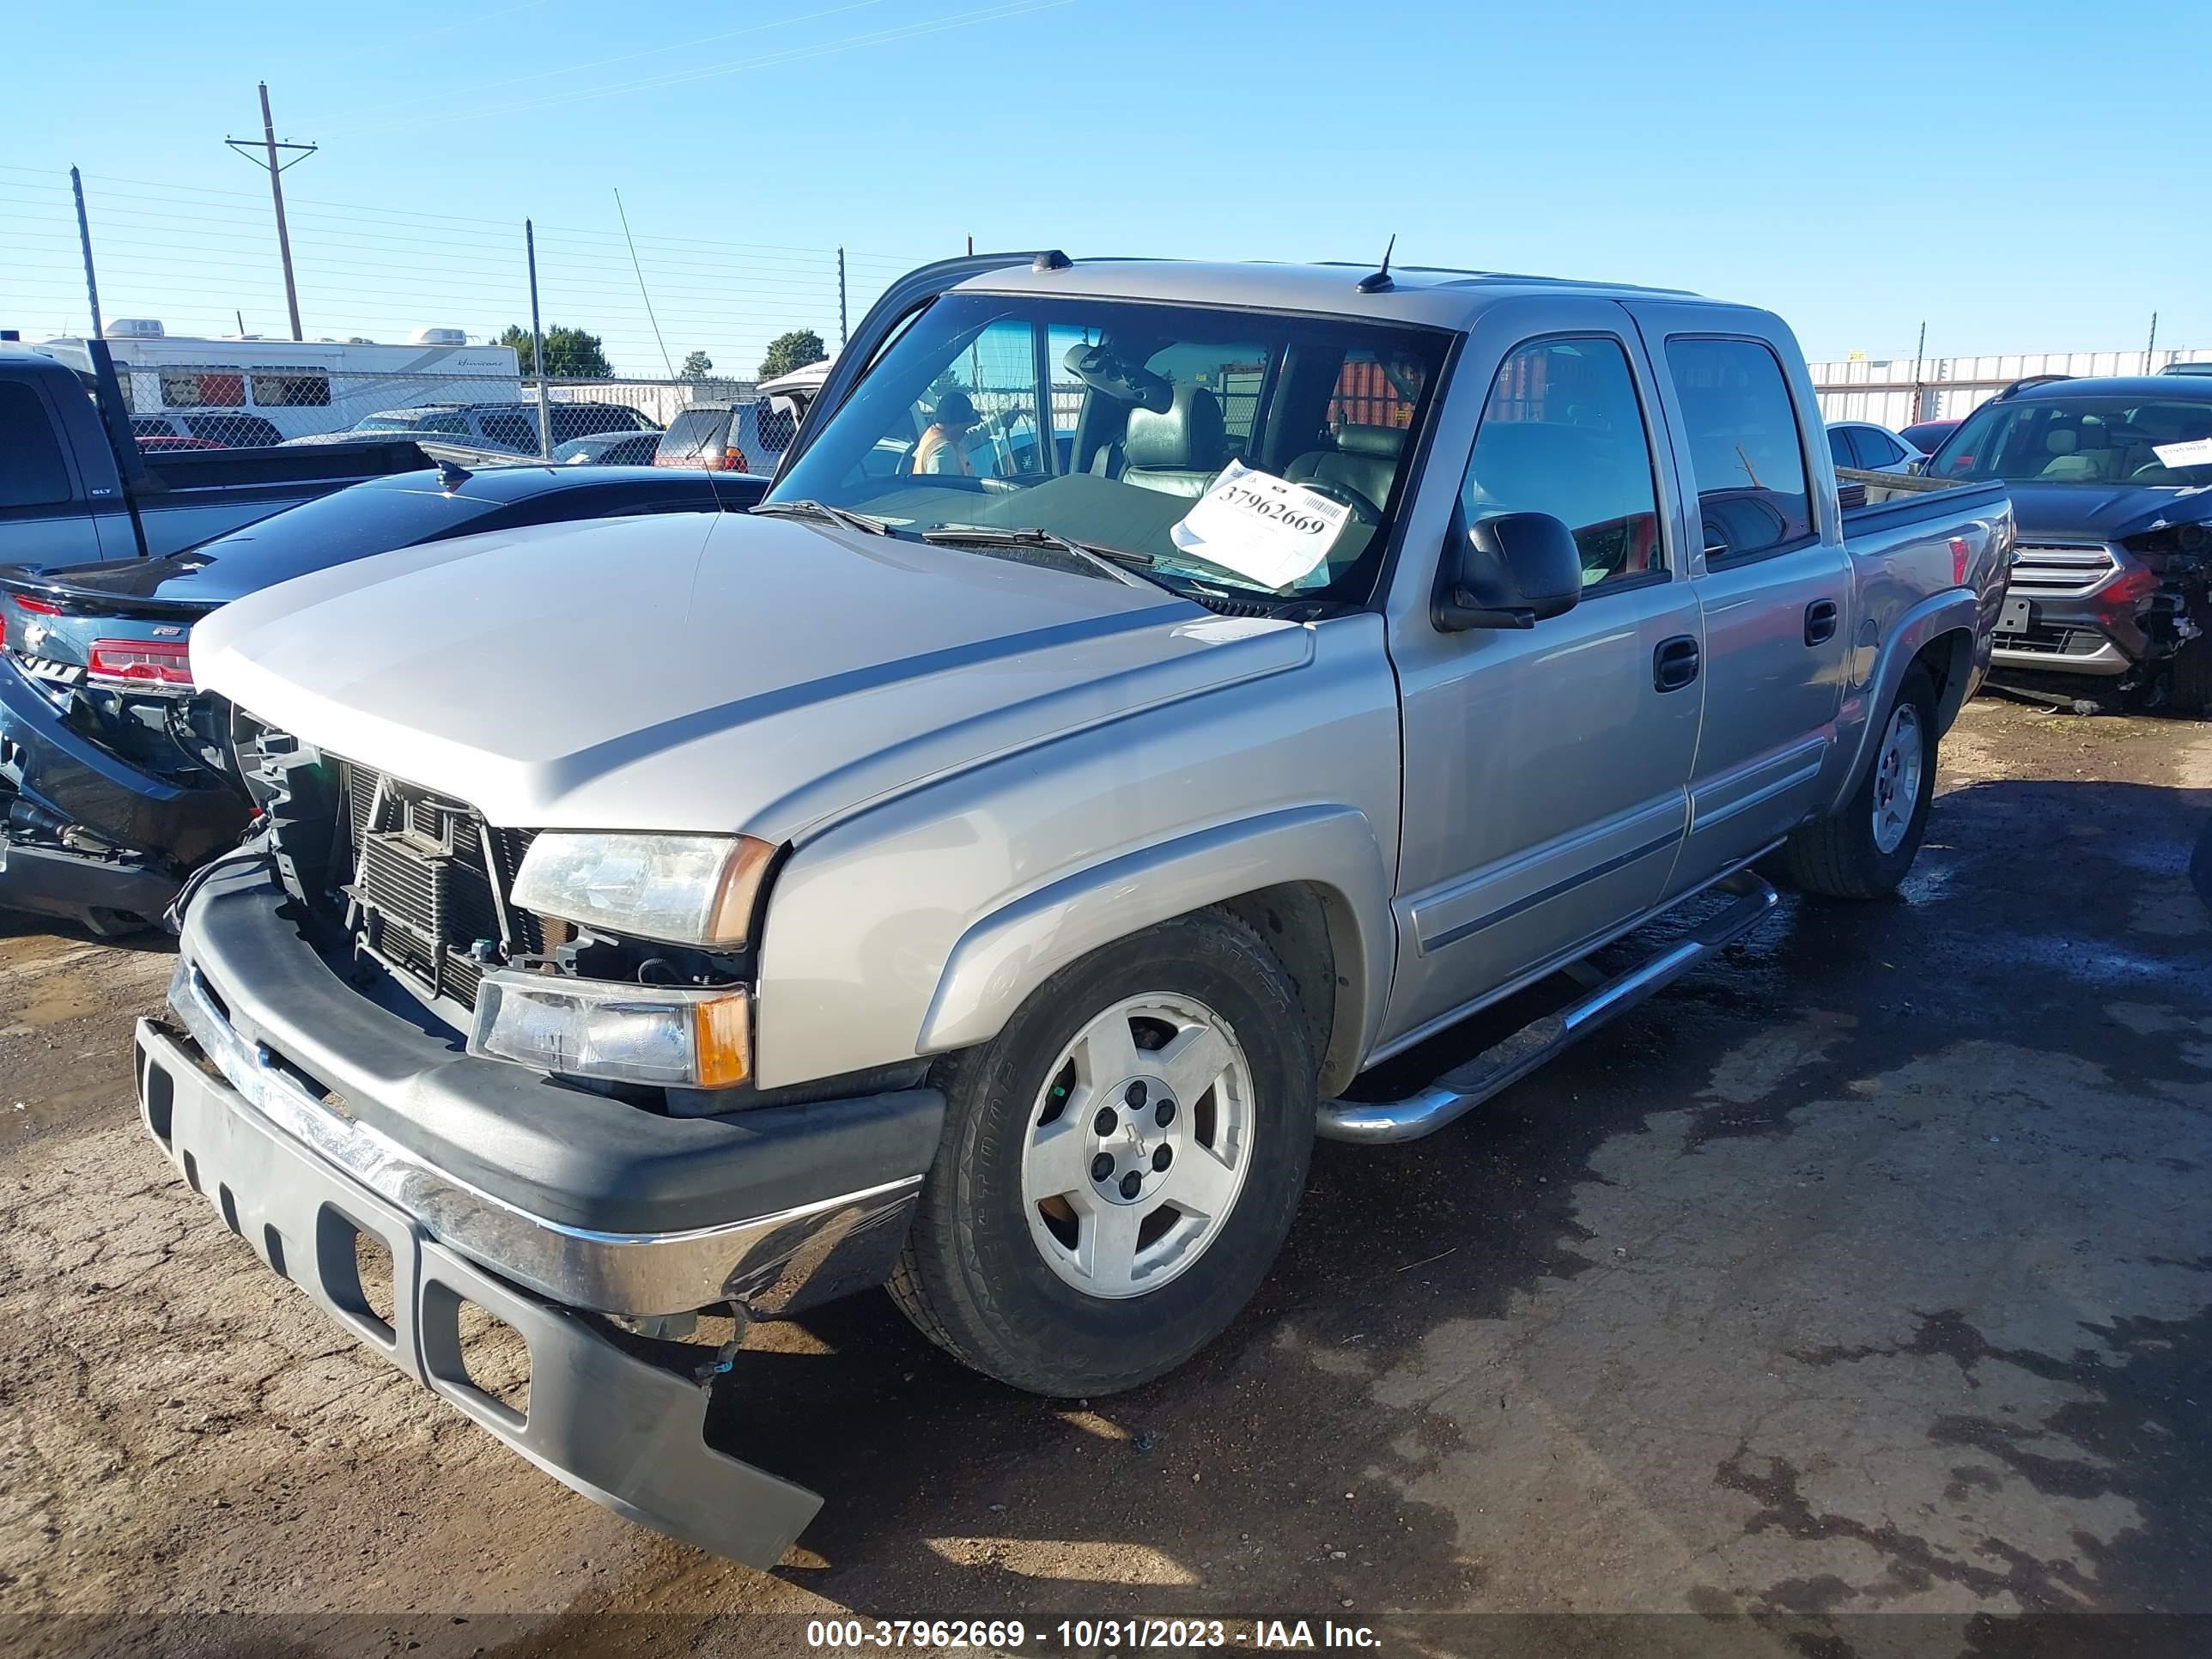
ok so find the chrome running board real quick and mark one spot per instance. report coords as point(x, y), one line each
point(1506, 1062)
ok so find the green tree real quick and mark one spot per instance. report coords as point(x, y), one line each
point(796, 349)
point(696, 366)
point(570, 353)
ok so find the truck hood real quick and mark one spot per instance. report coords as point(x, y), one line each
point(706, 673)
point(2103, 512)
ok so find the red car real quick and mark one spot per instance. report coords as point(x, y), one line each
point(1927, 437)
point(161, 446)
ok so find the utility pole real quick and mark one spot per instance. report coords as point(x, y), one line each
point(267, 143)
point(84, 240)
point(840, 299)
point(537, 347)
point(1919, 395)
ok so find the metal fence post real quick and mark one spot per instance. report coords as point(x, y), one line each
point(537, 347)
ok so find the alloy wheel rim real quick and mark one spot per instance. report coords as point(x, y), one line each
point(1137, 1144)
point(1896, 778)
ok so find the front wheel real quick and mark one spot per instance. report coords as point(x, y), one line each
point(1863, 851)
point(1119, 1166)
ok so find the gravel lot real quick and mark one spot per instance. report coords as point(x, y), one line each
point(1869, 1271)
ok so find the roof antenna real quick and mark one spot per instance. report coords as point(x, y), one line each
point(1378, 282)
point(452, 475)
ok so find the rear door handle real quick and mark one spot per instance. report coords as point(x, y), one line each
point(1674, 663)
point(1821, 618)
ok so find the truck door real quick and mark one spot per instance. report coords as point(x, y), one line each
point(1771, 573)
point(1545, 768)
point(47, 519)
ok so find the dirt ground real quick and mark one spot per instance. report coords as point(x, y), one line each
point(1869, 1271)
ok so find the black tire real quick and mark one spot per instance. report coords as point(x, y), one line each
point(2189, 682)
point(972, 1278)
point(1837, 857)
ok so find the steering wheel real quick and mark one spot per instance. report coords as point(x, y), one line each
point(1362, 509)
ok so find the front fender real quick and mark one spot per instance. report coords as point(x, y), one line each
point(918, 924)
point(998, 962)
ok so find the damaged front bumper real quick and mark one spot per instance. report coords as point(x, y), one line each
point(303, 1122)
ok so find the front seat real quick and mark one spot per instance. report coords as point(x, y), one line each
point(2066, 464)
point(1365, 459)
point(1176, 451)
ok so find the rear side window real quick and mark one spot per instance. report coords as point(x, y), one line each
point(1839, 447)
point(1744, 451)
point(515, 430)
point(1563, 434)
point(32, 471)
point(1233, 372)
point(1876, 448)
point(203, 388)
point(291, 388)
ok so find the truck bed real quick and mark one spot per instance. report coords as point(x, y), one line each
point(1877, 502)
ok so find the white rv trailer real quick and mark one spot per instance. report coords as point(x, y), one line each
point(233, 390)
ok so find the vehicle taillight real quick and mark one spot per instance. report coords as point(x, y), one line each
point(1959, 554)
point(143, 662)
point(733, 459)
point(38, 607)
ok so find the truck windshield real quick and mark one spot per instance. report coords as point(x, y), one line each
point(2090, 438)
point(1257, 452)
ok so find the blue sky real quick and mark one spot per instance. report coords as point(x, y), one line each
point(2024, 177)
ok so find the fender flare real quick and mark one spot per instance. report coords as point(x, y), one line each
point(1007, 954)
point(1953, 610)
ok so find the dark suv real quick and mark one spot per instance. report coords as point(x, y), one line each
point(2113, 574)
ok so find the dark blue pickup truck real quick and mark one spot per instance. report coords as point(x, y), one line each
point(74, 486)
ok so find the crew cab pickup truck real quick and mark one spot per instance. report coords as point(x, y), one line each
point(75, 486)
point(1007, 860)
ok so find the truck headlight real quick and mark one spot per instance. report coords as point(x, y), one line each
point(679, 890)
point(672, 1036)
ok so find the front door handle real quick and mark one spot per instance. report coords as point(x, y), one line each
point(1821, 618)
point(1674, 663)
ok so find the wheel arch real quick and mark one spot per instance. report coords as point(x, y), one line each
point(1937, 634)
point(1328, 924)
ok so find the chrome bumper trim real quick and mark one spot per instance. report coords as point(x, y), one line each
point(762, 1262)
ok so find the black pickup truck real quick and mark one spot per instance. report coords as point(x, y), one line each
point(75, 488)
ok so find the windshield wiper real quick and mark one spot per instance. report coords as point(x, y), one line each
point(991, 535)
point(843, 517)
point(1115, 559)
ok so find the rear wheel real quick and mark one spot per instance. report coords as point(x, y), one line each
point(1119, 1167)
point(1864, 850)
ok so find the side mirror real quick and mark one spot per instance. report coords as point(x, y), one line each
point(1512, 571)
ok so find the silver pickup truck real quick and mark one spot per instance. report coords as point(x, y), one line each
point(1152, 696)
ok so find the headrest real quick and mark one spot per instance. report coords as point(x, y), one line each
point(1190, 434)
point(2061, 441)
point(1388, 441)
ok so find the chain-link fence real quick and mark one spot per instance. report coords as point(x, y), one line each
point(403, 309)
point(237, 405)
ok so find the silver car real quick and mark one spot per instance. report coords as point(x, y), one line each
point(1872, 447)
point(1007, 856)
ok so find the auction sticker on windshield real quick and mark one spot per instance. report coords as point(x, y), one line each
point(1260, 527)
point(2198, 451)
